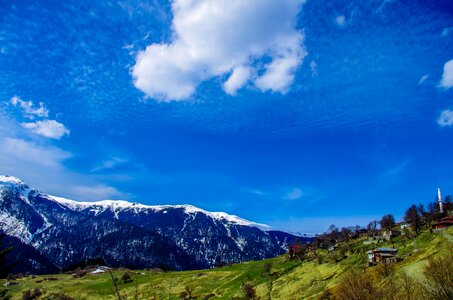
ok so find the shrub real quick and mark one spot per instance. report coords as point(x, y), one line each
point(439, 276)
point(407, 286)
point(126, 277)
point(11, 277)
point(187, 293)
point(208, 296)
point(267, 267)
point(78, 273)
point(4, 295)
point(356, 285)
point(31, 294)
point(249, 291)
point(385, 270)
point(51, 278)
point(320, 258)
point(58, 296)
point(326, 295)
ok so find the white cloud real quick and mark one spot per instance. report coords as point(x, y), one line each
point(294, 194)
point(99, 191)
point(341, 21)
point(314, 68)
point(42, 166)
point(279, 74)
point(423, 79)
point(446, 118)
point(20, 150)
point(47, 128)
point(237, 79)
point(447, 76)
point(28, 108)
point(223, 37)
point(110, 163)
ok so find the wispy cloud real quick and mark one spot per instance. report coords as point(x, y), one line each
point(423, 79)
point(445, 118)
point(287, 193)
point(341, 21)
point(294, 194)
point(205, 46)
point(110, 163)
point(18, 150)
point(396, 170)
point(29, 109)
point(314, 68)
point(446, 31)
point(42, 166)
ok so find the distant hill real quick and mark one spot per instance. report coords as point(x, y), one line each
point(64, 232)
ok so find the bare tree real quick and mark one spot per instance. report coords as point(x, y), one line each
point(412, 216)
point(387, 222)
point(356, 285)
point(448, 203)
point(439, 275)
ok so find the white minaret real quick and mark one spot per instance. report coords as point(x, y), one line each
point(439, 198)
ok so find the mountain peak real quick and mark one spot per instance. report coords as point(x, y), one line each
point(121, 205)
point(118, 205)
point(10, 179)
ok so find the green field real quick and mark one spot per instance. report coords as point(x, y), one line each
point(286, 279)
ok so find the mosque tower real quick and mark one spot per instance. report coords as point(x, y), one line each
point(439, 198)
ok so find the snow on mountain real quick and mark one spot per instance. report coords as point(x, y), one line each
point(9, 179)
point(116, 206)
point(180, 236)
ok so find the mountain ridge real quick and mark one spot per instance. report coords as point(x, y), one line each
point(124, 204)
point(176, 236)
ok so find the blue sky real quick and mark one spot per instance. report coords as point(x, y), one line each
point(291, 113)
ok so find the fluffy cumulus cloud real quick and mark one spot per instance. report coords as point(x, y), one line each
point(446, 118)
point(29, 110)
point(237, 79)
point(47, 128)
point(447, 76)
point(243, 41)
point(44, 127)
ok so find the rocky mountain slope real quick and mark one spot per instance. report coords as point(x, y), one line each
point(66, 232)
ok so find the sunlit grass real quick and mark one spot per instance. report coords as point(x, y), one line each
point(286, 279)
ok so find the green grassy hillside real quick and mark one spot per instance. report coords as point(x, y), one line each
point(277, 278)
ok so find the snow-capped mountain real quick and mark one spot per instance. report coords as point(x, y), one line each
point(131, 234)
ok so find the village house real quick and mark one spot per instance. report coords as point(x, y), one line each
point(381, 255)
point(389, 234)
point(442, 224)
